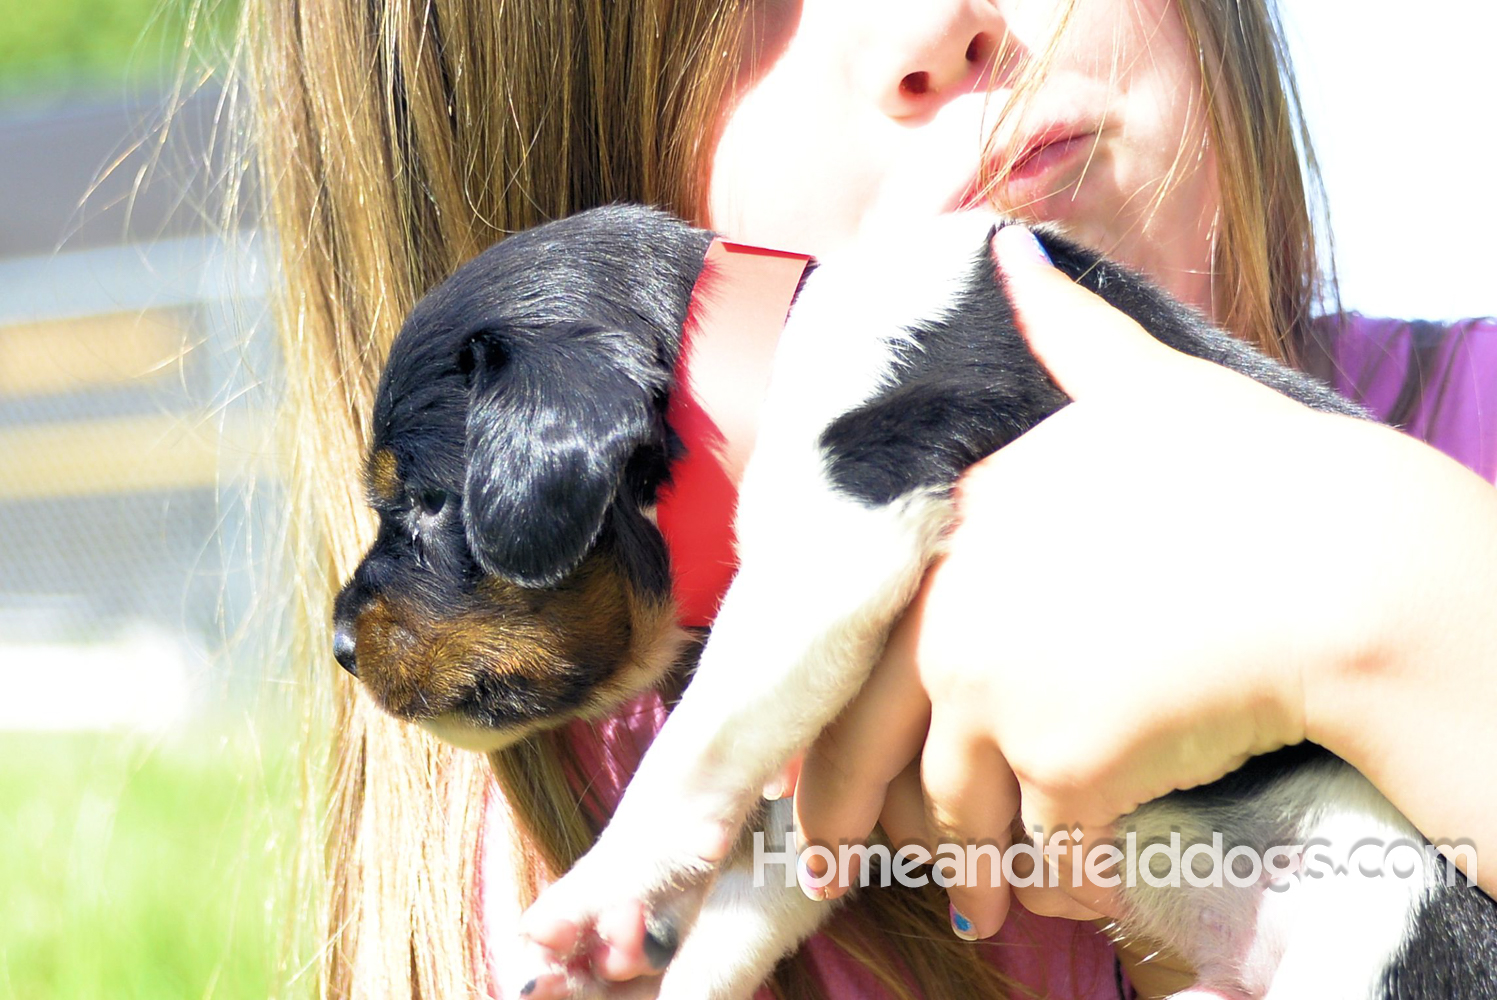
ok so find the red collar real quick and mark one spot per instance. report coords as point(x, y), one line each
point(733, 325)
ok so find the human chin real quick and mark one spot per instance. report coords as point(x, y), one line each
point(1167, 235)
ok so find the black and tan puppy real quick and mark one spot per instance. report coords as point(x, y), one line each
point(518, 581)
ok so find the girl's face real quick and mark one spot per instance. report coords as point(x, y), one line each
point(855, 113)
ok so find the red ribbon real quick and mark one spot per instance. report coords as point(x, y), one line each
point(733, 325)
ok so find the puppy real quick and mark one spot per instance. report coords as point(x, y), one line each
point(517, 581)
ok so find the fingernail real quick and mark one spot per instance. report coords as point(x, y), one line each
point(775, 789)
point(812, 869)
point(961, 925)
point(527, 989)
point(1024, 241)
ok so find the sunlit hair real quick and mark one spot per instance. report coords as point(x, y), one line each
point(1269, 279)
point(397, 139)
point(1266, 278)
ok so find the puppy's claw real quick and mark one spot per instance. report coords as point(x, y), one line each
point(661, 941)
point(546, 986)
point(540, 975)
point(623, 950)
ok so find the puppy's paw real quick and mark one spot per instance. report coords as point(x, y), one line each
point(542, 975)
point(581, 985)
point(611, 925)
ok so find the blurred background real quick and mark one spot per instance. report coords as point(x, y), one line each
point(147, 799)
point(147, 784)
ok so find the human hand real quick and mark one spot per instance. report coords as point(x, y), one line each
point(1135, 601)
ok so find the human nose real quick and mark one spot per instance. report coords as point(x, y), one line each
point(931, 51)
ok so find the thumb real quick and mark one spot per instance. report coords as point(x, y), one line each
point(1088, 347)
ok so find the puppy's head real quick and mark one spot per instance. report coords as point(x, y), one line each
point(518, 439)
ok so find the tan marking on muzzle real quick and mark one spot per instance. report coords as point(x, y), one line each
point(422, 669)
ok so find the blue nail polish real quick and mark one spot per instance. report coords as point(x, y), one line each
point(527, 989)
point(962, 925)
point(1039, 248)
point(1028, 241)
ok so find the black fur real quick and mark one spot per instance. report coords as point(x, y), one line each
point(556, 350)
point(1450, 951)
point(972, 386)
point(552, 424)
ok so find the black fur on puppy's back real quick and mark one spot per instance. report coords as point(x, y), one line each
point(970, 385)
point(1450, 951)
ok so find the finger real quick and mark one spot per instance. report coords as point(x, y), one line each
point(1058, 888)
point(782, 785)
point(1083, 868)
point(904, 817)
point(1059, 788)
point(1066, 793)
point(847, 771)
point(1087, 346)
point(1053, 901)
point(971, 799)
point(903, 821)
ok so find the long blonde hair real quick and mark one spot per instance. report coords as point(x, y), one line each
point(395, 140)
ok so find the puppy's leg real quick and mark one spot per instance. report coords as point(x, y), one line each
point(780, 673)
point(743, 932)
point(741, 925)
point(750, 921)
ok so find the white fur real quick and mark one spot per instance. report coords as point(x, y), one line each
point(1311, 937)
point(467, 735)
point(743, 930)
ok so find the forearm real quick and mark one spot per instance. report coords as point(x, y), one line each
point(1416, 710)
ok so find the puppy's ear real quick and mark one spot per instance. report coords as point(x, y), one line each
point(552, 420)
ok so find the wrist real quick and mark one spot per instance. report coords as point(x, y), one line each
point(1408, 702)
point(1417, 615)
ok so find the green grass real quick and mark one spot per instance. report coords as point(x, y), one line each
point(137, 870)
point(91, 44)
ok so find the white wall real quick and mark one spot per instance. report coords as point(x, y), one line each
point(1401, 98)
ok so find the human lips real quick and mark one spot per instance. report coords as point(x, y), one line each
point(1049, 152)
point(1035, 171)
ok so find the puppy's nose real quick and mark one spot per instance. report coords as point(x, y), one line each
point(343, 649)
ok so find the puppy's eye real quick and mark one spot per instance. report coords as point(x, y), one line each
point(431, 502)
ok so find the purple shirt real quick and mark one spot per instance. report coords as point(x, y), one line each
point(1450, 403)
point(1437, 382)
